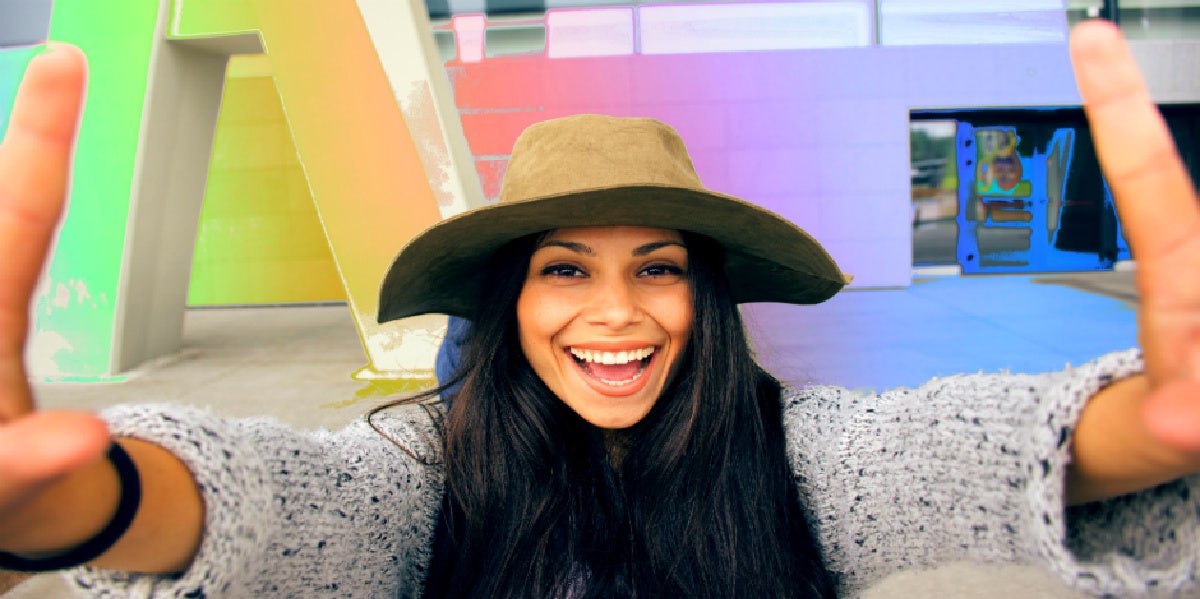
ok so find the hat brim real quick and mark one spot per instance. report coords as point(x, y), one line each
point(768, 258)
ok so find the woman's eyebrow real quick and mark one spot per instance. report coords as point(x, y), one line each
point(643, 250)
point(576, 247)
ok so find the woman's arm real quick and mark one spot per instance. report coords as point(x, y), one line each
point(293, 513)
point(970, 468)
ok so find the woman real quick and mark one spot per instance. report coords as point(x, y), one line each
point(612, 435)
point(624, 382)
point(601, 488)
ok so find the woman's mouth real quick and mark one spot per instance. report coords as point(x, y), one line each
point(615, 369)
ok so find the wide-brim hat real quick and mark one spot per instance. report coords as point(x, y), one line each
point(592, 170)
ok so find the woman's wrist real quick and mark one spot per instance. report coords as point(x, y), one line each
point(1112, 451)
point(129, 498)
point(71, 511)
point(63, 513)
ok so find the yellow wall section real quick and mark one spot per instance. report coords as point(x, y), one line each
point(260, 239)
point(362, 166)
point(357, 156)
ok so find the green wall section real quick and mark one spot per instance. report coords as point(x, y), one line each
point(13, 62)
point(260, 238)
point(74, 314)
point(242, 229)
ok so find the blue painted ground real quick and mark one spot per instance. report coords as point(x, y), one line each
point(882, 339)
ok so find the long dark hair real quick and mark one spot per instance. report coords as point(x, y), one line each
point(700, 503)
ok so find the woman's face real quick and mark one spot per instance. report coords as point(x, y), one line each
point(603, 316)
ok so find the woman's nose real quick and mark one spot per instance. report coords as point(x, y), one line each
point(613, 304)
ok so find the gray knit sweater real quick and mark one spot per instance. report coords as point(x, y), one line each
point(964, 468)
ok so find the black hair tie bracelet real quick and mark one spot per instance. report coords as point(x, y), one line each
point(127, 507)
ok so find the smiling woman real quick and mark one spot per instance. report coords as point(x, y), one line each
point(625, 378)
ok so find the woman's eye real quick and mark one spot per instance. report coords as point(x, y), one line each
point(562, 270)
point(662, 270)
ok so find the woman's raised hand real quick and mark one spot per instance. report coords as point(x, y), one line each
point(1161, 217)
point(36, 449)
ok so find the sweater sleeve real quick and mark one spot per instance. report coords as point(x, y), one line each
point(972, 468)
point(290, 513)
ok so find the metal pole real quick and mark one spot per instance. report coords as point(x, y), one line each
point(876, 18)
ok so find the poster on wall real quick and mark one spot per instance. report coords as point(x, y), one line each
point(998, 170)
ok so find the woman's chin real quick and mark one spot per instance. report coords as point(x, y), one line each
point(612, 413)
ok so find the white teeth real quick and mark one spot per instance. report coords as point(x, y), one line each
point(606, 357)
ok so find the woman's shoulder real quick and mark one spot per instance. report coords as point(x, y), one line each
point(414, 427)
point(995, 389)
point(815, 400)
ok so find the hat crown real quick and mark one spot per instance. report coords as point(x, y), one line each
point(587, 152)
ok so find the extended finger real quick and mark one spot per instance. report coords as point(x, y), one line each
point(34, 168)
point(34, 171)
point(1155, 198)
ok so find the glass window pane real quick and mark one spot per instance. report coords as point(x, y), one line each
point(700, 27)
point(590, 32)
point(514, 40)
point(934, 22)
point(1160, 19)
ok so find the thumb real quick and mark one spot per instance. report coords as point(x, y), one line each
point(43, 446)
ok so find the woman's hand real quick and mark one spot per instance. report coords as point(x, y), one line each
point(1145, 430)
point(1159, 211)
point(36, 449)
point(56, 490)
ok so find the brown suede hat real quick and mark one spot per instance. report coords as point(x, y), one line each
point(590, 170)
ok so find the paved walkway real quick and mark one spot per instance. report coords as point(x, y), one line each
point(880, 339)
